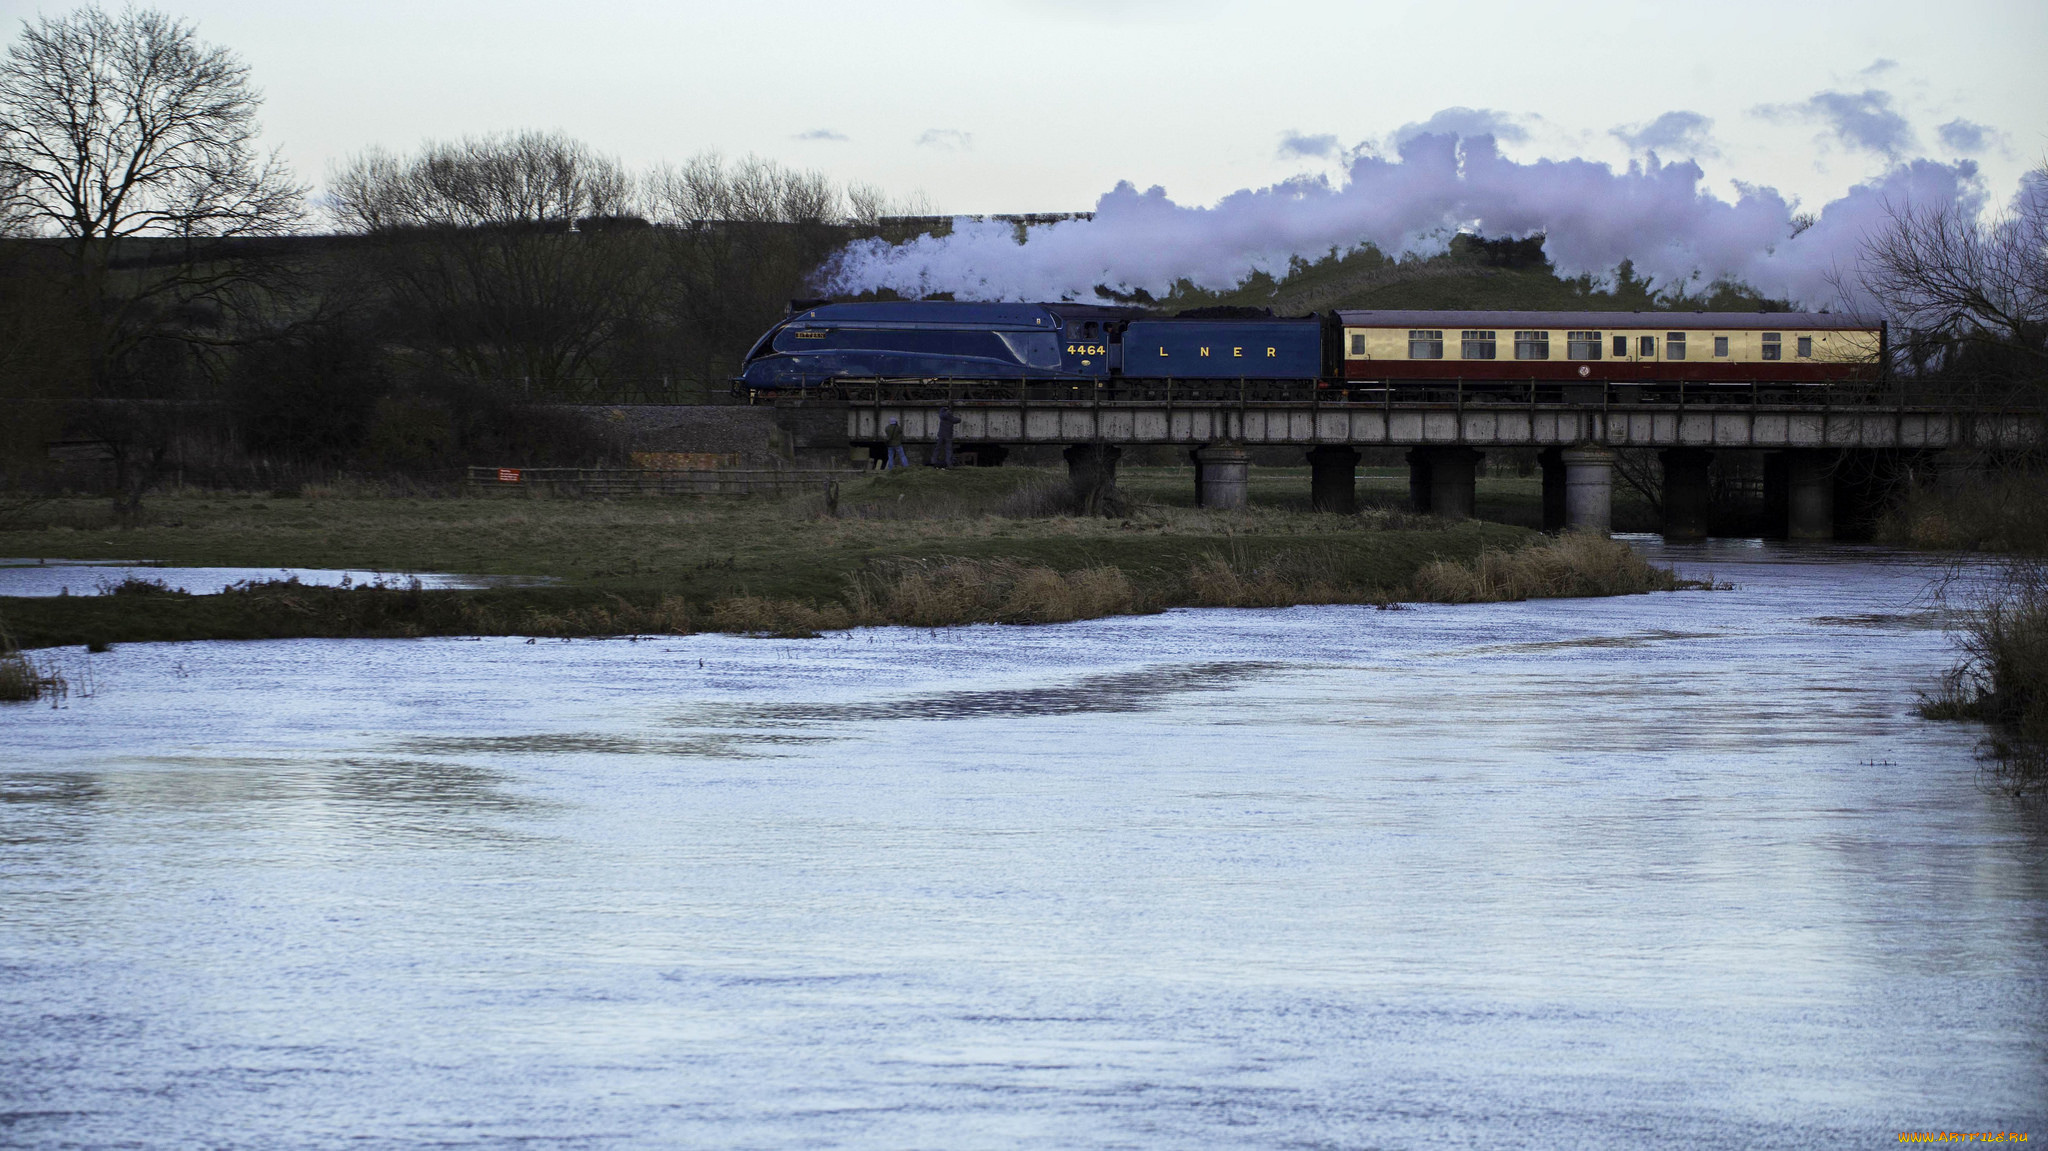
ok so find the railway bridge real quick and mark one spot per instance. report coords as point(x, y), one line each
point(1805, 433)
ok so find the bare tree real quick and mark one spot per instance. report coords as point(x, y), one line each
point(128, 125)
point(509, 257)
point(517, 181)
point(133, 144)
point(1966, 295)
point(708, 190)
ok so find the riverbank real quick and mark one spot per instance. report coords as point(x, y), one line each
point(1999, 513)
point(923, 547)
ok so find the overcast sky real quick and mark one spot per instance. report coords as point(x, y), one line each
point(1043, 105)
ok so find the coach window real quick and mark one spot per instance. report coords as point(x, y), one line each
point(1476, 346)
point(1674, 345)
point(1771, 347)
point(1646, 348)
point(1532, 345)
point(1425, 345)
point(1721, 347)
point(1806, 347)
point(1621, 347)
point(1582, 345)
point(1358, 343)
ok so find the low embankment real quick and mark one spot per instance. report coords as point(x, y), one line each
point(923, 548)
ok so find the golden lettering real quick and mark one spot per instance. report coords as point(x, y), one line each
point(1271, 352)
point(1237, 352)
point(1162, 351)
point(1205, 352)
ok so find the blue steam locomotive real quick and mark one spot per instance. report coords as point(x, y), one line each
point(820, 343)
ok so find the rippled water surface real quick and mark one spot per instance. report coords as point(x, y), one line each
point(1675, 869)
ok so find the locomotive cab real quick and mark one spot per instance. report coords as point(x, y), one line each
point(1091, 338)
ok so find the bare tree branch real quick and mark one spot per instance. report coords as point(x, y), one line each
point(1963, 293)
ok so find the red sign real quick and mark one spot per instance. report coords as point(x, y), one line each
point(508, 475)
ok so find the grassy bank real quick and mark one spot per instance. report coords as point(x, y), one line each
point(923, 547)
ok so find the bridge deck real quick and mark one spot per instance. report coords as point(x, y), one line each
point(1254, 422)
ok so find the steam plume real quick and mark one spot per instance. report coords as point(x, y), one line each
point(1591, 215)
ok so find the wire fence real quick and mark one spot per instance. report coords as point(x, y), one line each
point(603, 483)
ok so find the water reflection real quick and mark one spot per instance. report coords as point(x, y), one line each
point(38, 578)
point(708, 746)
point(1118, 693)
point(1674, 868)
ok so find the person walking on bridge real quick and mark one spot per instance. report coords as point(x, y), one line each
point(897, 457)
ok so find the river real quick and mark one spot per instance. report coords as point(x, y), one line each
point(1679, 869)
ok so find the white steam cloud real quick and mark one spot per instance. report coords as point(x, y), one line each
point(1591, 215)
point(1673, 133)
point(1863, 120)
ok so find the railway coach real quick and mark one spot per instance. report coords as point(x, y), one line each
point(1619, 347)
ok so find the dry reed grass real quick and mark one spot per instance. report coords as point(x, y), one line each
point(2001, 679)
point(670, 615)
point(22, 679)
point(1296, 578)
point(1571, 566)
point(940, 593)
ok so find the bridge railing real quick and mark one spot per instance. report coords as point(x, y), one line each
point(1453, 393)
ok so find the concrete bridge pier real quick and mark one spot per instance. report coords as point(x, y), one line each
point(1551, 460)
point(1809, 495)
point(1091, 469)
point(1588, 489)
point(1688, 498)
point(1441, 481)
point(1333, 479)
point(1418, 480)
point(1223, 476)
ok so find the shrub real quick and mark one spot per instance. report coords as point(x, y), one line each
point(2002, 678)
